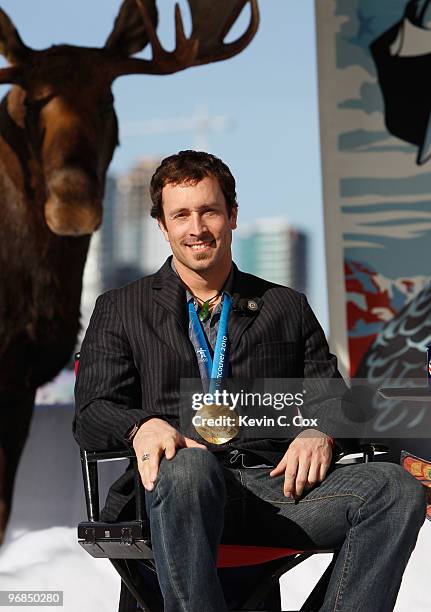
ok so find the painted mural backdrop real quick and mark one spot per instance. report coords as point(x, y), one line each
point(375, 103)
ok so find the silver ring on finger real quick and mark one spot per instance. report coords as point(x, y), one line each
point(145, 457)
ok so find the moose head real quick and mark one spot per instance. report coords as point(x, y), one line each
point(62, 105)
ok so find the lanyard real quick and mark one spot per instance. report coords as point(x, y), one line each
point(218, 367)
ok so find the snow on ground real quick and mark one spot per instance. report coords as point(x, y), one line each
point(51, 559)
point(41, 550)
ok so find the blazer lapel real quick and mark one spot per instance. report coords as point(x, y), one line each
point(170, 293)
point(245, 307)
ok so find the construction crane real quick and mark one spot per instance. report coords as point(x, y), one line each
point(201, 123)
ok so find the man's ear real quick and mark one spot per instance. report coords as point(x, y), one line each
point(233, 217)
point(163, 229)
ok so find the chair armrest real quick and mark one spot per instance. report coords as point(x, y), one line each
point(368, 451)
point(89, 464)
point(111, 455)
point(374, 447)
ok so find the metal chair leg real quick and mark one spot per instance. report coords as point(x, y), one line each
point(132, 581)
point(317, 596)
point(127, 601)
point(275, 569)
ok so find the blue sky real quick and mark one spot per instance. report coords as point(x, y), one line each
point(269, 93)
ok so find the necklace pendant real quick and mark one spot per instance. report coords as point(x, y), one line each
point(203, 312)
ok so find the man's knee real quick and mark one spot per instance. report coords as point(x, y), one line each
point(407, 493)
point(191, 469)
point(414, 495)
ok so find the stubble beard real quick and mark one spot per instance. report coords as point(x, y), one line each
point(202, 256)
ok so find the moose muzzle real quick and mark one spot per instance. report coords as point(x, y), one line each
point(74, 203)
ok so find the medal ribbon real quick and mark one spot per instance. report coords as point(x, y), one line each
point(216, 368)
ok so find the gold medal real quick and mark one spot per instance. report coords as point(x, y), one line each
point(216, 423)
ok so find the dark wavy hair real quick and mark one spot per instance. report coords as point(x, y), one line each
point(190, 167)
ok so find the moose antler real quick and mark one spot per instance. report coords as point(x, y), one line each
point(13, 49)
point(211, 22)
point(136, 25)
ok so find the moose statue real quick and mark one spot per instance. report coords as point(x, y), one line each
point(58, 133)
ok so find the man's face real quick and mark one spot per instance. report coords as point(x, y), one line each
point(197, 224)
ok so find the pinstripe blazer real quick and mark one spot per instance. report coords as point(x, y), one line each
point(137, 348)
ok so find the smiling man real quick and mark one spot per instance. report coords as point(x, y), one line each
point(198, 225)
point(145, 337)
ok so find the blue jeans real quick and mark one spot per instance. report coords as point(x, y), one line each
point(372, 512)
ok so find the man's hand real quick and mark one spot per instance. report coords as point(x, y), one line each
point(305, 462)
point(154, 438)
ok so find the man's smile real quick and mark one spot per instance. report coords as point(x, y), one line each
point(201, 246)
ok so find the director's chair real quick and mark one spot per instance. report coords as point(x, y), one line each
point(128, 546)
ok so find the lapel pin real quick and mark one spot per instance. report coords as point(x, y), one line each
point(252, 305)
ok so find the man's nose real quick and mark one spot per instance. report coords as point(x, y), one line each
point(198, 226)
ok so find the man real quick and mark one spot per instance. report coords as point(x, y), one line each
point(142, 340)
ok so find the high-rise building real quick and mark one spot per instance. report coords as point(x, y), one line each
point(107, 252)
point(140, 247)
point(272, 249)
point(100, 259)
point(129, 243)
